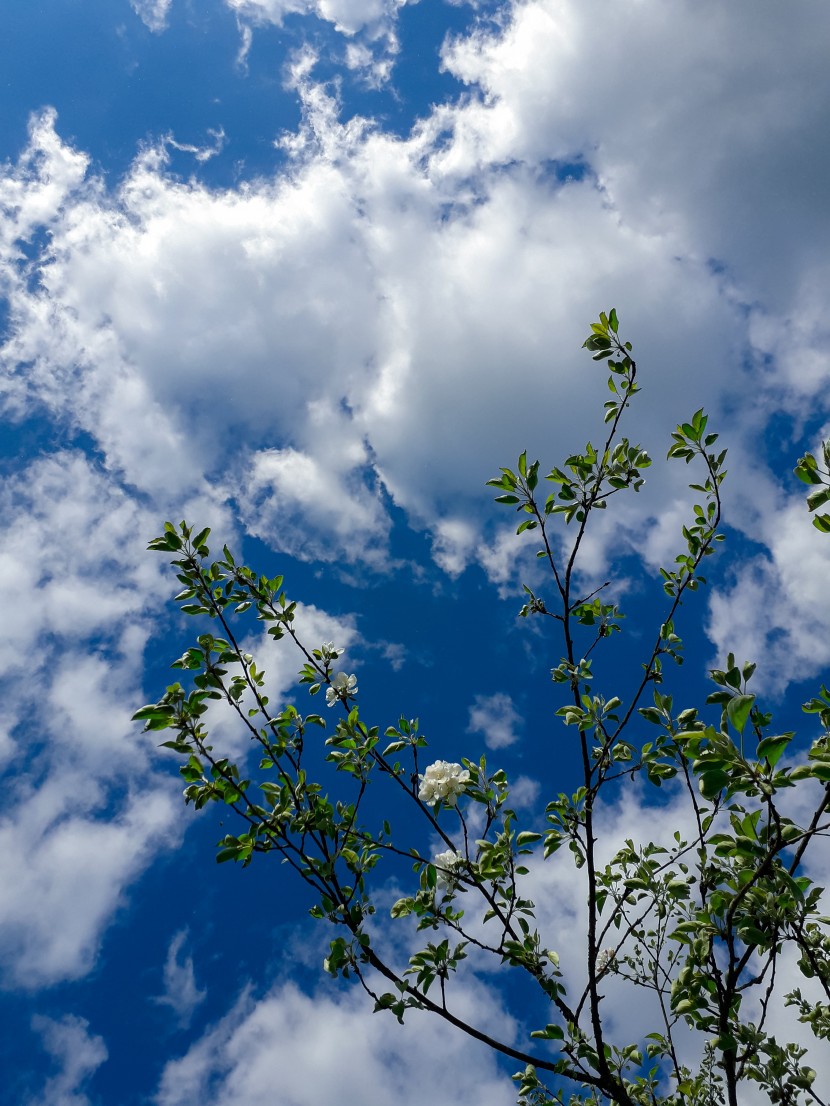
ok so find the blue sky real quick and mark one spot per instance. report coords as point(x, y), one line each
point(309, 272)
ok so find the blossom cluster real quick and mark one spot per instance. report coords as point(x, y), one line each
point(443, 782)
point(342, 686)
point(445, 865)
point(605, 960)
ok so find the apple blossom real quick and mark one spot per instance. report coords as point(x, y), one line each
point(342, 686)
point(445, 865)
point(443, 782)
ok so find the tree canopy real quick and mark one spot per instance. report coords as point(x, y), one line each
point(704, 919)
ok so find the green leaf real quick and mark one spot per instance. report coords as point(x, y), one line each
point(711, 783)
point(230, 852)
point(806, 470)
point(737, 710)
point(549, 1033)
point(751, 935)
point(818, 498)
point(177, 746)
point(201, 538)
point(152, 710)
point(170, 543)
point(773, 747)
point(402, 908)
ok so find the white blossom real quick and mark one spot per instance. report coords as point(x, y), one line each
point(341, 687)
point(605, 960)
point(443, 781)
point(445, 865)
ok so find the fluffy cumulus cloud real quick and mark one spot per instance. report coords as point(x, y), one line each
point(88, 806)
point(171, 369)
point(777, 608)
point(367, 294)
point(367, 297)
point(496, 718)
point(84, 813)
point(64, 520)
point(728, 114)
point(302, 503)
point(66, 874)
point(326, 1048)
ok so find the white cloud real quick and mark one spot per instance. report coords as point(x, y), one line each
point(153, 13)
point(98, 336)
point(506, 554)
point(496, 718)
point(33, 191)
point(318, 505)
point(369, 28)
point(348, 16)
point(77, 589)
point(777, 610)
point(201, 153)
point(452, 544)
point(181, 992)
point(354, 315)
point(331, 1048)
point(406, 312)
point(66, 873)
point(74, 566)
point(86, 811)
point(352, 312)
point(728, 115)
point(76, 1051)
point(524, 792)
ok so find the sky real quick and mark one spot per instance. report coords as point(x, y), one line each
point(309, 272)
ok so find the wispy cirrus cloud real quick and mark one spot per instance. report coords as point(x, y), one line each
point(181, 993)
point(76, 1053)
point(153, 13)
point(369, 29)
